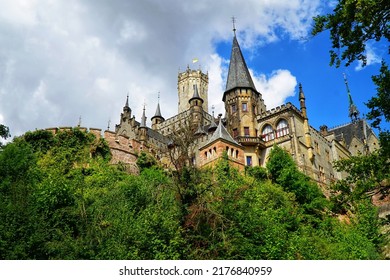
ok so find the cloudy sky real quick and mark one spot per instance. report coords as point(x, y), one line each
point(62, 60)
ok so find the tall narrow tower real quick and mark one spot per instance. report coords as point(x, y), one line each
point(185, 86)
point(242, 101)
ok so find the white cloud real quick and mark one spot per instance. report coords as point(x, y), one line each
point(82, 57)
point(371, 56)
point(276, 87)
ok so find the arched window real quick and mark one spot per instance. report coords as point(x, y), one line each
point(282, 128)
point(267, 133)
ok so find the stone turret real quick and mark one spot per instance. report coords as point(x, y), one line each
point(143, 130)
point(196, 108)
point(157, 118)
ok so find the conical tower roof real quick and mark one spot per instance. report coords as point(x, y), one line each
point(221, 133)
point(143, 119)
point(238, 76)
point(196, 94)
point(158, 112)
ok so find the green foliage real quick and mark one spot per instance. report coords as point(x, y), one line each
point(352, 24)
point(284, 171)
point(145, 160)
point(257, 172)
point(58, 201)
point(4, 133)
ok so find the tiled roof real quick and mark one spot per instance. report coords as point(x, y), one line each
point(238, 75)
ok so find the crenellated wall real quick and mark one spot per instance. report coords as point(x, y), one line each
point(123, 149)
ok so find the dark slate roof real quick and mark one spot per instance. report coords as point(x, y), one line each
point(200, 131)
point(158, 112)
point(158, 136)
point(350, 130)
point(221, 133)
point(196, 94)
point(238, 75)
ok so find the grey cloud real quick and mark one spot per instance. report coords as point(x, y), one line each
point(63, 59)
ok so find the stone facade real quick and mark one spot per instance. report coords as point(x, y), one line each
point(247, 133)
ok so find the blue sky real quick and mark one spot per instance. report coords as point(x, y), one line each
point(62, 60)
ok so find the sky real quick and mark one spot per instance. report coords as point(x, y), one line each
point(64, 63)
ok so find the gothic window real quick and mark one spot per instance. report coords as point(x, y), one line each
point(246, 131)
point(267, 133)
point(282, 128)
point(245, 107)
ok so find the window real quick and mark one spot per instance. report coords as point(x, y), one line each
point(267, 133)
point(282, 128)
point(316, 147)
point(245, 107)
point(246, 131)
point(249, 160)
point(234, 109)
point(235, 132)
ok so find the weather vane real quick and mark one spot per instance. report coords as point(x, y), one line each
point(234, 24)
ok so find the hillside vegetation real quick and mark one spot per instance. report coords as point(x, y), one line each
point(61, 199)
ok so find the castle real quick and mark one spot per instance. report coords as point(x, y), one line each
point(247, 132)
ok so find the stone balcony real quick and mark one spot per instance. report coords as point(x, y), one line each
point(250, 141)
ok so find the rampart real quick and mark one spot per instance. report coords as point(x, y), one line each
point(123, 150)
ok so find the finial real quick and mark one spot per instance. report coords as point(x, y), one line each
point(234, 25)
point(79, 124)
point(108, 125)
point(158, 97)
point(212, 109)
point(127, 100)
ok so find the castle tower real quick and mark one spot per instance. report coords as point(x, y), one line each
point(306, 128)
point(196, 108)
point(157, 118)
point(242, 101)
point(185, 85)
point(143, 130)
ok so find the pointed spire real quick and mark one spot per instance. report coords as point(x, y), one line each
point(238, 75)
point(143, 119)
point(196, 94)
point(126, 108)
point(158, 111)
point(301, 94)
point(353, 111)
point(127, 100)
point(302, 101)
point(221, 133)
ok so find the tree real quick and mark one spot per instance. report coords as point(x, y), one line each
point(352, 25)
point(4, 132)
